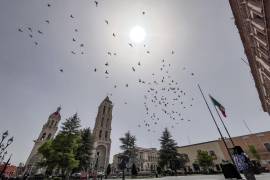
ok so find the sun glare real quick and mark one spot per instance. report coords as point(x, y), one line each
point(137, 34)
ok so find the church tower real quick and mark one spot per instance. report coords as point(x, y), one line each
point(48, 131)
point(102, 135)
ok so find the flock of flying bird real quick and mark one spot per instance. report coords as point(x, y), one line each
point(164, 98)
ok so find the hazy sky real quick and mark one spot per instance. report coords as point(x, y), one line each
point(202, 34)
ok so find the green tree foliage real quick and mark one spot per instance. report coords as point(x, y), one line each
point(60, 153)
point(71, 125)
point(129, 146)
point(134, 171)
point(204, 160)
point(168, 155)
point(254, 152)
point(85, 148)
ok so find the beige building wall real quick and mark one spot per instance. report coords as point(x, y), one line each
point(212, 147)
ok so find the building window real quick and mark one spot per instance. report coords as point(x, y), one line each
point(267, 146)
point(49, 136)
point(107, 123)
point(104, 109)
point(100, 134)
point(106, 135)
point(43, 136)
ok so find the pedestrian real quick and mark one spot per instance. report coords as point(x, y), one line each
point(243, 163)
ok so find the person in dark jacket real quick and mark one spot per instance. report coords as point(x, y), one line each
point(243, 163)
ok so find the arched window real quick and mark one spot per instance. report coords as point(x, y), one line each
point(107, 123)
point(100, 134)
point(43, 136)
point(104, 109)
point(49, 136)
point(106, 135)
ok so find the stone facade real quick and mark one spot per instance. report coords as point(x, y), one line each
point(252, 20)
point(146, 160)
point(217, 149)
point(102, 135)
point(48, 131)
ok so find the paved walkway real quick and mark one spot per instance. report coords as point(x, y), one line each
point(205, 177)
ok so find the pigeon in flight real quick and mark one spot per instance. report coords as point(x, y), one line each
point(106, 64)
point(40, 32)
point(95, 69)
point(71, 16)
point(49, 5)
point(172, 52)
point(36, 43)
point(61, 70)
point(47, 21)
point(81, 45)
point(130, 44)
point(73, 39)
point(96, 3)
point(20, 30)
point(139, 63)
point(133, 69)
point(143, 12)
point(106, 21)
point(113, 34)
point(106, 72)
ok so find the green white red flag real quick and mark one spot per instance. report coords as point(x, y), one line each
point(220, 107)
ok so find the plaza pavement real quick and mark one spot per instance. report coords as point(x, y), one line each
point(204, 177)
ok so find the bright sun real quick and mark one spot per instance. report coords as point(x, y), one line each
point(137, 34)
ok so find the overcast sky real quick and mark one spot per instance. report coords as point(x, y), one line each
point(201, 33)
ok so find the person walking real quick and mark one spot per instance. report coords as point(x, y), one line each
point(243, 163)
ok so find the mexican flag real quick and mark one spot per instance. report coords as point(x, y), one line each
point(220, 107)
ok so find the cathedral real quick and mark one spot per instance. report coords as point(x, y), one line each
point(101, 136)
point(48, 131)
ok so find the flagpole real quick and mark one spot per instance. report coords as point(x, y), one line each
point(216, 125)
point(224, 126)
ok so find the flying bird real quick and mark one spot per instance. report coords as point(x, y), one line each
point(47, 21)
point(133, 69)
point(73, 39)
point(30, 29)
point(106, 72)
point(113, 34)
point(40, 32)
point(71, 16)
point(96, 2)
point(81, 45)
point(20, 30)
point(95, 69)
point(130, 44)
point(139, 63)
point(106, 64)
point(61, 70)
point(49, 5)
point(106, 21)
point(36, 43)
point(143, 12)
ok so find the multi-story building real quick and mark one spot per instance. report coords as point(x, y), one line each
point(217, 149)
point(146, 160)
point(47, 133)
point(10, 170)
point(252, 20)
point(102, 135)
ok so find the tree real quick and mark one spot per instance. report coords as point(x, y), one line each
point(204, 160)
point(134, 171)
point(168, 155)
point(60, 153)
point(129, 146)
point(85, 148)
point(108, 170)
point(71, 125)
point(254, 152)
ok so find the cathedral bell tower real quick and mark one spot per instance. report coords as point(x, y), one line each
point(48, 131)
point(102, 135)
